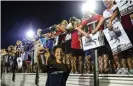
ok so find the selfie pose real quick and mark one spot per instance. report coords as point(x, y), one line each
point(57, 71)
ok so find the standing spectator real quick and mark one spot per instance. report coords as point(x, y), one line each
point(77, 51)
point(111, 13)
point(57, 71)
point(126, 21)
point(103, 52)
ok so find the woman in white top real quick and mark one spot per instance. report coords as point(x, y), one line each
point(109, 16)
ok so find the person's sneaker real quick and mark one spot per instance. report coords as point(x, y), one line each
point(124, 71)
point(131, 71)
point(118, 71)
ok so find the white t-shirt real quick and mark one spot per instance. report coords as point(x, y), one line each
point(108, 13)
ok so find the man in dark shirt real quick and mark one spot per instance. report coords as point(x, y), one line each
point(57, 71)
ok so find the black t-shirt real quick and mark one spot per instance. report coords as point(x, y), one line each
point(57, 73)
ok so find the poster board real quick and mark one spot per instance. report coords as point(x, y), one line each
point(93, 41)
point(117, 37)
point(125, 6)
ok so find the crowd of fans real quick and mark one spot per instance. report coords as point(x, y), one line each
point(24, 57)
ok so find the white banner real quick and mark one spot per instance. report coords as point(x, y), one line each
point(125, 6)
point(117, 37)
point(93, 41)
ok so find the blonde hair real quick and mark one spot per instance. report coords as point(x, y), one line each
point(64, 21)
point(78, 21)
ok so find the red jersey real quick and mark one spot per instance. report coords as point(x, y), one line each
point(96, 17)
point(75, 42)
point(59, 32)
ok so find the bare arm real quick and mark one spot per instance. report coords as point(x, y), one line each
point(114, 15)
point(81, 31)
point(101, 22)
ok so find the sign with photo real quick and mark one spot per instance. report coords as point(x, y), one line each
point(93, 41)
point(117, 37)
point(125, 6)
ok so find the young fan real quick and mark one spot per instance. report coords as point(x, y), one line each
point(57, 71)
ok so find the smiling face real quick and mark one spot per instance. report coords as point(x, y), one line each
point(108, 3)
point(58, 54)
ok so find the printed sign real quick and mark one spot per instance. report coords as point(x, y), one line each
point(93, 41)
point(125, 6)
point(117, 37)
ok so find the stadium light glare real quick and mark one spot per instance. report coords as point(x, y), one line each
point(30, 33)
point(89, 5)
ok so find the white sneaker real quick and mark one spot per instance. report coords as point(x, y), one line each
point(124, 71)
point(118, 70)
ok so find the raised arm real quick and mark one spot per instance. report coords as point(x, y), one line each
point(101, 22)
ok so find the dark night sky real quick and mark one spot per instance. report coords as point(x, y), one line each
point(18, 15)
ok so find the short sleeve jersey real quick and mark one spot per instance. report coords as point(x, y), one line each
point(75, 42)
point(96, 17)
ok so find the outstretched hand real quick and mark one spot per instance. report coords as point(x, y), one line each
point(94, 31)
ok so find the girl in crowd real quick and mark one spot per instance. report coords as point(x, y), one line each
point(57, 71)
point(111, 14)
point(103, 52)
point(68, 38)
point(61, 29)
point(77, 52)
point(127, 23)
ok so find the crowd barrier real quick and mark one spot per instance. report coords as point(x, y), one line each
point(28, 79)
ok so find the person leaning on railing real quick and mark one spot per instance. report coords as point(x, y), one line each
point(103, 52)
point(111, 13)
